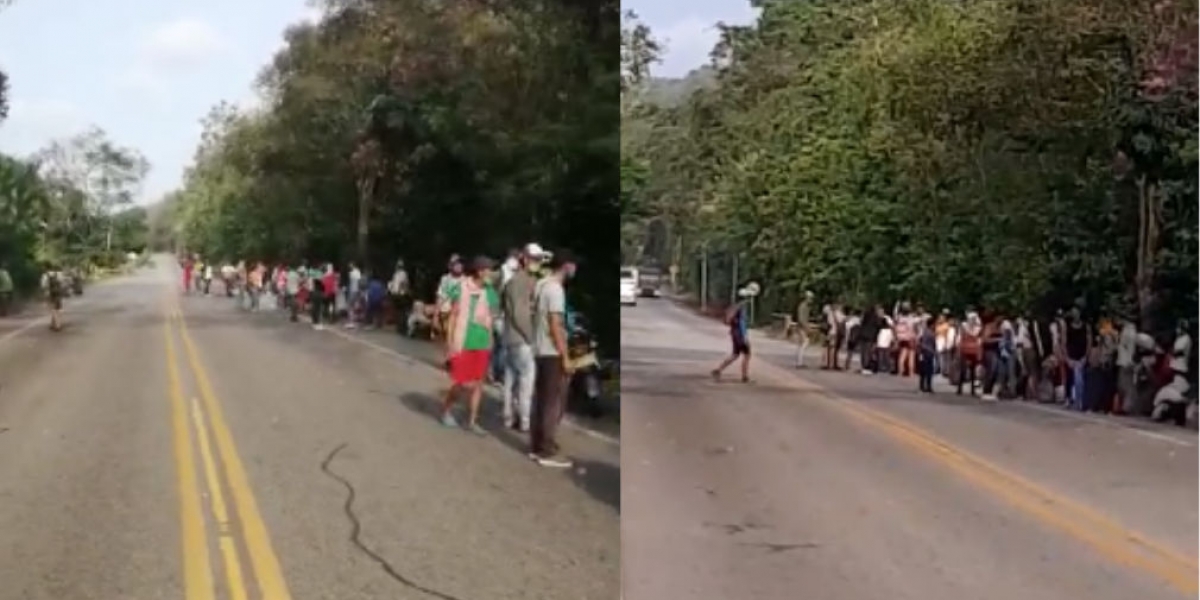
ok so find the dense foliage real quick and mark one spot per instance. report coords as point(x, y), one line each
point(1014, 153)
point(415, 129)
point(69, 206)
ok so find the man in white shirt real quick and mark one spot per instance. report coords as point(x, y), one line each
point(1126, 367)
point(553, 362)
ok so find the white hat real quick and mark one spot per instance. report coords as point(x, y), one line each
point(749, 291)
point(533, 250)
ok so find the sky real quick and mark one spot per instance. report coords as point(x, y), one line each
point(145, 71)
point(688, 28)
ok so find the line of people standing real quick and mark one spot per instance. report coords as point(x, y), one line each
point(1104, 365)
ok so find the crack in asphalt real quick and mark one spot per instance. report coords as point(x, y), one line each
point(356, 531)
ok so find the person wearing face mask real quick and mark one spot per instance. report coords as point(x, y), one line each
point(516, 304)
point(446, 287)
point(553, 363)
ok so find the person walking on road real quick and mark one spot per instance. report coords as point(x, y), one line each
point(553, 366)
point(520, 366)
point(53, 289)
point(739, 333)
point(469, 340)
point(803, 318)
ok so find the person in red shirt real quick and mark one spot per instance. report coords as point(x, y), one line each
point(188, 265)
point(330, 282)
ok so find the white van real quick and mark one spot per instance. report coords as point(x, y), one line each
point(629, 286)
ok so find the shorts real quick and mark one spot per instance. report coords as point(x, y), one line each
point(469, 366)
point(741, 346)
point(55, 302)
point(905, 344)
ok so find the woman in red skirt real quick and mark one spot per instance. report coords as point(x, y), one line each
point(469, 340)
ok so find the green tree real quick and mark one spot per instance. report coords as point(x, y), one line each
point(1003, 152)
point(416, 129)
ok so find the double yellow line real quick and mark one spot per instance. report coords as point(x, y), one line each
point(1108, 538)
point(240, 532)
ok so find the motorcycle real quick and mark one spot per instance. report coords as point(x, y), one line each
point(586, 388)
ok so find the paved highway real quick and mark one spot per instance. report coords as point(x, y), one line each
point(835, 486)
point(165, 447)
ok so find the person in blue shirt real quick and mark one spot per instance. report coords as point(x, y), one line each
point(739, 333)
point(376, 294)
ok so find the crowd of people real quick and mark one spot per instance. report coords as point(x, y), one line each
point(1105, 365)
point(506, 323)
point(1102, 365)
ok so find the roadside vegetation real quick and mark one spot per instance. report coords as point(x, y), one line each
point(412, 129)
point(1012, 153)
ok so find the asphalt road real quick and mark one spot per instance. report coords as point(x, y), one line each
point(805, 484)
point(165, 447)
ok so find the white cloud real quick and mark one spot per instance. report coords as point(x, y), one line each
point(688, 43)
point(181, 44)
point(32, 124)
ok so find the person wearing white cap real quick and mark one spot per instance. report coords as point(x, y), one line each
point(739, 333)
point(520, 367)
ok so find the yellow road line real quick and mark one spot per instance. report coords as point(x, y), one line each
point(233, 565)
point(1112, 540)
point(254, 529)
point(197, 571)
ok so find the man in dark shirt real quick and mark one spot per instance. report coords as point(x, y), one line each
point(868, 334)
point(1077, 342)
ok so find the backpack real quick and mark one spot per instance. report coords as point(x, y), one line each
point(54, 284)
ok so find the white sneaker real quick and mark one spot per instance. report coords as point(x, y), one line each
point(555, 462)
point(988, 397)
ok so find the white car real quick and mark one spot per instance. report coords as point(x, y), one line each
point(629, 286)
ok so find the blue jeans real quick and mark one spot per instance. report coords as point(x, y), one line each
point(1076, 375)
point(519, 371)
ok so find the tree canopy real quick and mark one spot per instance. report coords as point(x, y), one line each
point(415, 129)
point(1012, 153)
point(70, 205)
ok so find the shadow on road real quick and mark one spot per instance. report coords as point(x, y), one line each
point(601, 480)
